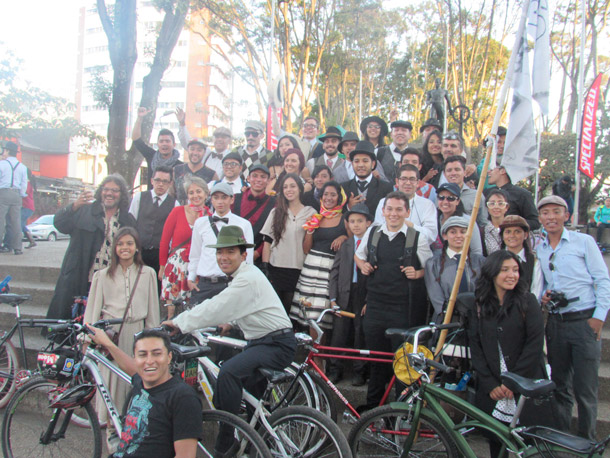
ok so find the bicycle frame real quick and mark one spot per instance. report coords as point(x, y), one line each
point(91, 359)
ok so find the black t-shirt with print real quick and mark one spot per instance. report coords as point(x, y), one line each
point(158, 417)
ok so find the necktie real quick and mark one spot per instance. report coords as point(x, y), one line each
point(218, 218)
point(157, 201)
point(358, 243)
point(362, 185)
point(464, 280)
point(329, 163)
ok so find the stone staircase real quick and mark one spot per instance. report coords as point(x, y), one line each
point(37, 270)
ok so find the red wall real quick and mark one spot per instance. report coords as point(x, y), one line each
point(54, 166)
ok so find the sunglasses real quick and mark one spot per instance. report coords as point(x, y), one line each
point(447, 198)
point(251, 133)
point(551, 265)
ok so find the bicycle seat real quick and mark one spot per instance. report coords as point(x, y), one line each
point(275, 376)
point(14, 299)
point(526, 386)
point(182, 352)
point(574, 443)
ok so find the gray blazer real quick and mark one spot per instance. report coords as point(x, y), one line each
point(341, 273)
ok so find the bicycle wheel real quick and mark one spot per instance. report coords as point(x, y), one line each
point(9, 365)
point(305, 432)
point(249, 442)
point(381, 432)
point(301, 393)
point(325, 396)
point(29, 416)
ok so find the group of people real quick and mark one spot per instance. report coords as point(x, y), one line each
point(377, 229)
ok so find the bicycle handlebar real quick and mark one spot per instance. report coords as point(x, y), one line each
point(80, 328)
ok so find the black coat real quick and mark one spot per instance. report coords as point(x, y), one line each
point(521, 336)
point(376, 191)
point(86, 229)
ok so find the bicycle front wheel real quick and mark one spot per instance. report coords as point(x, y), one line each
point(9, 365)
point(305, 432)
point(31, 427)
point(247, 441)
point(382, 432)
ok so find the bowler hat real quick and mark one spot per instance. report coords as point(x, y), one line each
point(331, 132)
point(431, 122)
point(364, 147)
point(229, 236)
point(360, 209)
point(348, 137)
point(378, 120)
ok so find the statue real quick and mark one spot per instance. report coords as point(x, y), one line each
point(434, 99)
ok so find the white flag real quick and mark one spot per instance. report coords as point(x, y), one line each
point(539, 28)
point(520, 158)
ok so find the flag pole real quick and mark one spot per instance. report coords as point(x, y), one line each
point(477, 201)
point(579, 88)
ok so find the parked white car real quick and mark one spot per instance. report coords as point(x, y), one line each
point(43, 229)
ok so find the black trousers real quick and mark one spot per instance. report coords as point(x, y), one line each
point(344, 328)
point(150, 256)
point(241, 371)
point(377, 319)
point(206, 291)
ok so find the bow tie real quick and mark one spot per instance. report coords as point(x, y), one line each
point(218, 218)
point(255, 198)
point(217, 155)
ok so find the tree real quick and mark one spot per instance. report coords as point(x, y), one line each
point(119, 23)
point(23, 106)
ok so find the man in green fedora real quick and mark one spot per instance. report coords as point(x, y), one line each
point(249, 302)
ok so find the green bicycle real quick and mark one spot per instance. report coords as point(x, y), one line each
point(421, 426)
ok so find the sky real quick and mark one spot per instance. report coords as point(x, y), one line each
point(43, 34)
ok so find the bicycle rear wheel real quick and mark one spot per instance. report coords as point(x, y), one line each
point(381, 432)
point(29, 417)
point(325, 396)
point(9, 365)
point(248, 442)
point(305, 432)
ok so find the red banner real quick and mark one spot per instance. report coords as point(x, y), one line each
point(271, 138)
point(586, 157)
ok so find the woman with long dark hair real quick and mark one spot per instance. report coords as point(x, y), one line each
point(514, 232)
point(321, 175)
point(126, 289)
point(506, 333)
point(283, 235)
point(432, 159)
point(276, 163)
point(325, 233)
point(374, 130)
point(294, 162)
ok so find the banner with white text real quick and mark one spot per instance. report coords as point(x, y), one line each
point(586, 154)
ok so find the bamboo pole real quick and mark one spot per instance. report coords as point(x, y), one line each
point(477, 201)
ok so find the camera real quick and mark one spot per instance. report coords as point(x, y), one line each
point(558, 300)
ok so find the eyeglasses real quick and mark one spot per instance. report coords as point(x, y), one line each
point(251, 133)
point(500, 204)
point(551, 265)
point(447, 198)
point(161, 181)
point(409, 179)
point(231, 165)
point(310, 126)
point(112, 190)
point(373, 126)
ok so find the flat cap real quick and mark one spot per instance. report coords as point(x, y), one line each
point(555, 200)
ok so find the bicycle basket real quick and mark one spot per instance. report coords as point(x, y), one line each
point(74, 397)
point(403, 370)
point(58, 364)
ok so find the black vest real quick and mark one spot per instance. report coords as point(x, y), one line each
point(528, 269)
point(390, 290)
point(257, 222)
point(152, 218)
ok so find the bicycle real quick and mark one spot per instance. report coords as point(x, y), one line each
point(322, 383)
point(69, 379)
point(287, 430)
point(423, 428)
point(13, 373)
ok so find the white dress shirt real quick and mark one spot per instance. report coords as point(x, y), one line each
point(249, 300)
point(537, 285)
point(134, 208)
point(236, 184)
point(213, 162)
point(423, 216)
point(423, 246)
point(202, 260)
point(12, 169)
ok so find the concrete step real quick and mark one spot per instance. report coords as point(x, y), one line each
point(604, 381)
point(34, 273)
point(41, 293)
point(606, 342)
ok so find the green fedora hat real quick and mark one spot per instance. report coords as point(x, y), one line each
point(230, 236)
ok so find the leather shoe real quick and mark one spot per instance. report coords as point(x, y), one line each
point(358, 380)
point(335, 377)
point(4, 249)
point(18, 252)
